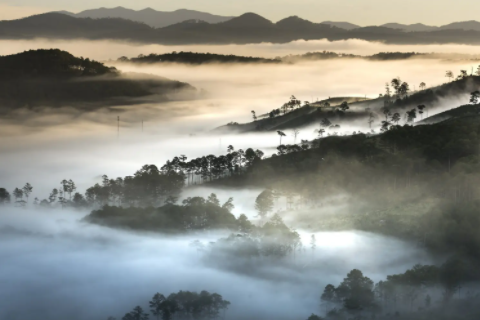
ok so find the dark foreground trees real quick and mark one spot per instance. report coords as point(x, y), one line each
point(188, 305)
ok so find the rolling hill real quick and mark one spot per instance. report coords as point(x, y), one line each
point(149, 16)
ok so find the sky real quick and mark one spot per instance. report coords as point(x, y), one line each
point(362, 12)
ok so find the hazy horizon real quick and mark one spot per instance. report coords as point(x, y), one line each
point(365, 13)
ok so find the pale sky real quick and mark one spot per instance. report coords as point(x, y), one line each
point(362, 12)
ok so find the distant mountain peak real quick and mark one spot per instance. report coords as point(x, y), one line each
point(150, 16)
point(342, 24)
point(249, 19)
point(294, 22)
point(148, 10)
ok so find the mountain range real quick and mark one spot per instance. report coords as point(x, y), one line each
point(149, 16)
point(247, 28)
point(160, 19)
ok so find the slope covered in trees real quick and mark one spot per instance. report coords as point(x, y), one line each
point(56, 78)
point(391, 108)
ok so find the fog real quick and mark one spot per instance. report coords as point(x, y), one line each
point(105, 50)
point(51, 144)
point(54, 267)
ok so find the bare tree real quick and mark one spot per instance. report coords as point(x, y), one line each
point(281, 134)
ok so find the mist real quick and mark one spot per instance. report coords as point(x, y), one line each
point(74, 144)
point(112, 50)
point(56, 265)
point(83, 271)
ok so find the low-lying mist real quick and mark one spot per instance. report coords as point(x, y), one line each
point(105, 50)
point(80, 271)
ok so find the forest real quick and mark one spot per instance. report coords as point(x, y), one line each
point(53, 77)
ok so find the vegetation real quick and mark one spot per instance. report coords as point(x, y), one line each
point(273, 239)
point(55, 78)
point(183, 304)
point(415, 293)
point(195, 58)
point(195, 213)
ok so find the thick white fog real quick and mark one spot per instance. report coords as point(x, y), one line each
point(54, 267)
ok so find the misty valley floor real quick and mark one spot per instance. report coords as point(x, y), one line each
point(93, 272)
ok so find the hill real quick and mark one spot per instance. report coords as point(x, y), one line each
point(247, 28)
point(149, 16)
point(57, 78)
point(342, 25)
point(195, 58)
point(295, 116)
point(410, 27)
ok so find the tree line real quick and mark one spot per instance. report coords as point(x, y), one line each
point(181, 305)
point(421, 288)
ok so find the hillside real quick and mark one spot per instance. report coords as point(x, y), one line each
point(56, 78)
point(298, 116)
point(149, 16)
point(195, 58)
point(247, 28)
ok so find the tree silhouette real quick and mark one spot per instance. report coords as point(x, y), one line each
point(18, 195)
point(320, 132)
point(27, 190)
point(449, 75)
point(254, 116)
point(420, 110)
point(344, 106)
point(53, 196)
point(264, 203)
point(329, 296)
point(371, 119)
point(296, 132)
point(411, 115)
point(396, 83)
point(395, 118)
point(228, 205)
point(281, 134)
point(474, 96)
point(404, 89)
point(422, 86)
point(157, 307)
point(325, 123)
point(463, 74)
point(4, 196)
point(136, 314)
point(356, 291)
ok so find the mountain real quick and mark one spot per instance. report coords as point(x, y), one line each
point(419, 27)
point(410, 27)
point(342, 25)
point(247, 28)
point(57, 25)
point(56, 78)
point(248, 20)
point(465, 25)
point(149, 16)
